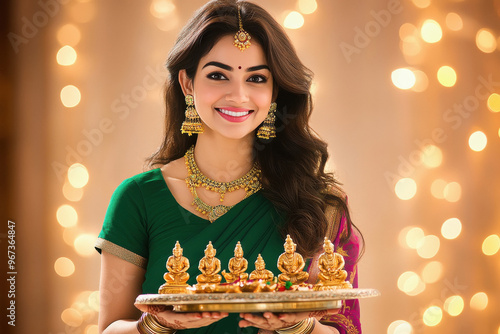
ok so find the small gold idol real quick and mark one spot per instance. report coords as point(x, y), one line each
point(260, 272)
point(237, 266)
point(331, 269)
point(291, 264)
point(176, 277)
point(209, 267)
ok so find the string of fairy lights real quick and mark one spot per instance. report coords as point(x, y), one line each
point(81, 315)
point(413, 41)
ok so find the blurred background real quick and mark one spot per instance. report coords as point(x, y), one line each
point(407, 94)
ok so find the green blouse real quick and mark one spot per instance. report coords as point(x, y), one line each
point(143, 222)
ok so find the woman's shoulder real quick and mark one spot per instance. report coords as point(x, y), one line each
point(175, 169)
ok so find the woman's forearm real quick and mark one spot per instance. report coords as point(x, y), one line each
point(122, 327)
point(324, 329)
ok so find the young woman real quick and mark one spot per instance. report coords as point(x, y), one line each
point(237, 112)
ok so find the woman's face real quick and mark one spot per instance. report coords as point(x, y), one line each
point(232, 89)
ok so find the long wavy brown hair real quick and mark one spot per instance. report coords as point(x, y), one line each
point(293, 163)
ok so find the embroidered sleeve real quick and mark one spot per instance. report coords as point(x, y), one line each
point(347, 320)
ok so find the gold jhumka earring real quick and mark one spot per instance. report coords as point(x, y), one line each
point(268, 129)
point(241, 38)
point(192, 123)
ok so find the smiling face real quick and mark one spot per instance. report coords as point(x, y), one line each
point(232, 89)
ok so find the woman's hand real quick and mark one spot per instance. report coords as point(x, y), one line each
point(177, 321)
point(273, 321)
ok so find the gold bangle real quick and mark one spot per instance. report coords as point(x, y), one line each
point(148, 324)
point(305, 326)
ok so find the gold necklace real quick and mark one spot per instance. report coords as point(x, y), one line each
point(250, 182)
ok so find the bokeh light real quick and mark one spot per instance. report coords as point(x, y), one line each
point(69, 34)
point(432, 316)
point(71, 193)
point(494, 102)
point(78, 176)
point(403, 78)
point(400, 327)
point(454, 305)
point(414, 237)
point(405, 188)
point(478, 141)
point(431, 31)
point(431, 156)
point(67, 216)
point(447, 76)
point(491, 245)
point(422, 3)
point(72, 317)
point(91, 329)
point(84, 244)
point(168, 23)
point(437, 188)
point(70, 96)
point(432, 272)
point(451, 228)
point(66, 56)
point(64, 267)
point(421, 81)
point(407, 30)
point(452, 192)
point(454, 21)
point(70, 234)
point(410, 283)
point(479, 301)
point(485, 41)
point(307, 6)
point(94, 301)
point(428, 247)
point(294, 20)
point(161, 8)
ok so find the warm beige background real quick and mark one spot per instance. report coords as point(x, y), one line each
point(371, 127)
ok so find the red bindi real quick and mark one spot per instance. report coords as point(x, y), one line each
point(239, 67)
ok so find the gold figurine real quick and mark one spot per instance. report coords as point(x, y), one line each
point(260, 272)
point(209, 267)
point(291, 264)
point(237, 266)
point(331, 273)
point(176, 277)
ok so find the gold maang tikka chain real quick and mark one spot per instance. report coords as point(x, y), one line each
point(196, 179)
point(242, 37)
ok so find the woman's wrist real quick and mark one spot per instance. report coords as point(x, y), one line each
point(148, 324)
point(305, 326)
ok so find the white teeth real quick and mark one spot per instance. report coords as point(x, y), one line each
point(234, 113)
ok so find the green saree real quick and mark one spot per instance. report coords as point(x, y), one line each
point(143, 222)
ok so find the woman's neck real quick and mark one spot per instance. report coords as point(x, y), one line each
point(223, 159)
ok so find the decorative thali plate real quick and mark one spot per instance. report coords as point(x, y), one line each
point(286, 301)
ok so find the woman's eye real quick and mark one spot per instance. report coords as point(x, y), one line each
point(216, 76)
point(258, 79)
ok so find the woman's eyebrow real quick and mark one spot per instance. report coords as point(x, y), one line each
point(229, 68)
point(216, 63)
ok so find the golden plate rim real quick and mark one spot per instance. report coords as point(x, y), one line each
point(256, 302)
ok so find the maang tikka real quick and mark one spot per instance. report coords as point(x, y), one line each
point(192, 123)
point(242, 38)
point(268, 129)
